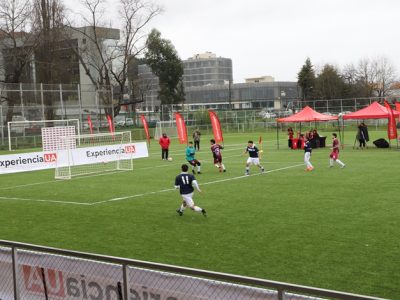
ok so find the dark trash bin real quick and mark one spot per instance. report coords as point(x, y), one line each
point(322, 140)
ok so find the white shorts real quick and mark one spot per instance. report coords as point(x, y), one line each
point(253, 160)
point(188, 199)
point(307, 156)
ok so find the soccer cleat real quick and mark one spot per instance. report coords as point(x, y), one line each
point(203, 211)
point(342, 167)
point(262, 170)
point(247, 174)
point(194, 172)
point(179, 212)
point(198, 172)
point(224, 170)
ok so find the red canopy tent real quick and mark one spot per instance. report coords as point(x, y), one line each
point(373, 111)
point(307, 114)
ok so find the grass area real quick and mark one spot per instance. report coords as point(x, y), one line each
point(330, 228)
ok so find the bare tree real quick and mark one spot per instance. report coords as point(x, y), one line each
point(385, 76)
point(366, 77)
point(49, 30)
point(17, 46)
point(108, 59)
point(135, 15)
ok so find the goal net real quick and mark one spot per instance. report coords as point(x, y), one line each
point(28, 134)
point(87, 154)
point(168, 127)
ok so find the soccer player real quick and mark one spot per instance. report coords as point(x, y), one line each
point(190, 152)
point(334, 156)
point(307, 154)
point(253, 158)
point(184, 182)
point(216, 151)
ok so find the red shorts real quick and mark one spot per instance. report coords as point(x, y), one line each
point(334, 155)
point(218, 160)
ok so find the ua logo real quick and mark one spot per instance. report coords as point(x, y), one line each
point(33, 279)
point(50, 157)
point(130, 149)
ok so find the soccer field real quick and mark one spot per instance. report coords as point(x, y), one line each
point(330, 228)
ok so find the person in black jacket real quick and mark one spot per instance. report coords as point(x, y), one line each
point(362, 135)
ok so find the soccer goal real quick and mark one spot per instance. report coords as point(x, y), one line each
point(87, 154)
point(28, 134)
point(168, 127)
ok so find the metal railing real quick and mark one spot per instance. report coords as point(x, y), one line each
point(35, 272)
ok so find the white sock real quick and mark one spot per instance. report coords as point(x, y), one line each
point(197, 208)
point(182, 208)
point(198, 168)
point(223, 167)
point(247, 169)
point(331, 162)
point(340, 163)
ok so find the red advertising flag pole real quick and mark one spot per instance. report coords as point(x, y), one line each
point(216, 126)
point(260, 141)
point(89, 119)
point(146, 128)
point(181, 128)
point(397, 106)
point(392, 130)
point(110, 124)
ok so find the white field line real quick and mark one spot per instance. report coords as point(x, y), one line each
point(144, 168)
point(45, 200)
point(57, 181)
point(142, 194)
point(206, 183)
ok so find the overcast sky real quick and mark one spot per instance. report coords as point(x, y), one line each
point(274, 37)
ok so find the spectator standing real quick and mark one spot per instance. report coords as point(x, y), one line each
point(196, 139)
point(164, 143)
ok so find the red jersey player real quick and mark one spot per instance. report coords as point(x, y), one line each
point(216, 151)
point(334, 156)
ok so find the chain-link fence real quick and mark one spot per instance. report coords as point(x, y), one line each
point(34, 272)
point(32, 102)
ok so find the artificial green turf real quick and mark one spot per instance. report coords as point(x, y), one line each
point(329, 228)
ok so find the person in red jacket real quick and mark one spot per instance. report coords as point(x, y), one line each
point(164, 143)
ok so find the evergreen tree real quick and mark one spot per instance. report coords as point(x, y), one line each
point(329, 84)
point(165, 63)
point(306, 80)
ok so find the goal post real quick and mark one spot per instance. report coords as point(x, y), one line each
point(28, 133)
point(87, 154)
point(168, 127)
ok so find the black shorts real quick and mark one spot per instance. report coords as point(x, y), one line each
point(194, 162)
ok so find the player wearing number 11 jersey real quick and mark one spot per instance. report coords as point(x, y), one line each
point(185, 182)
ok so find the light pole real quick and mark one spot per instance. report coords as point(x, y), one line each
point(230, 94)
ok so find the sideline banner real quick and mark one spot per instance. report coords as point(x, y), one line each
point(36, 161)
point(74, 278)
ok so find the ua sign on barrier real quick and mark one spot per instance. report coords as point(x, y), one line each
point(48, 276)
point(35, 161)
